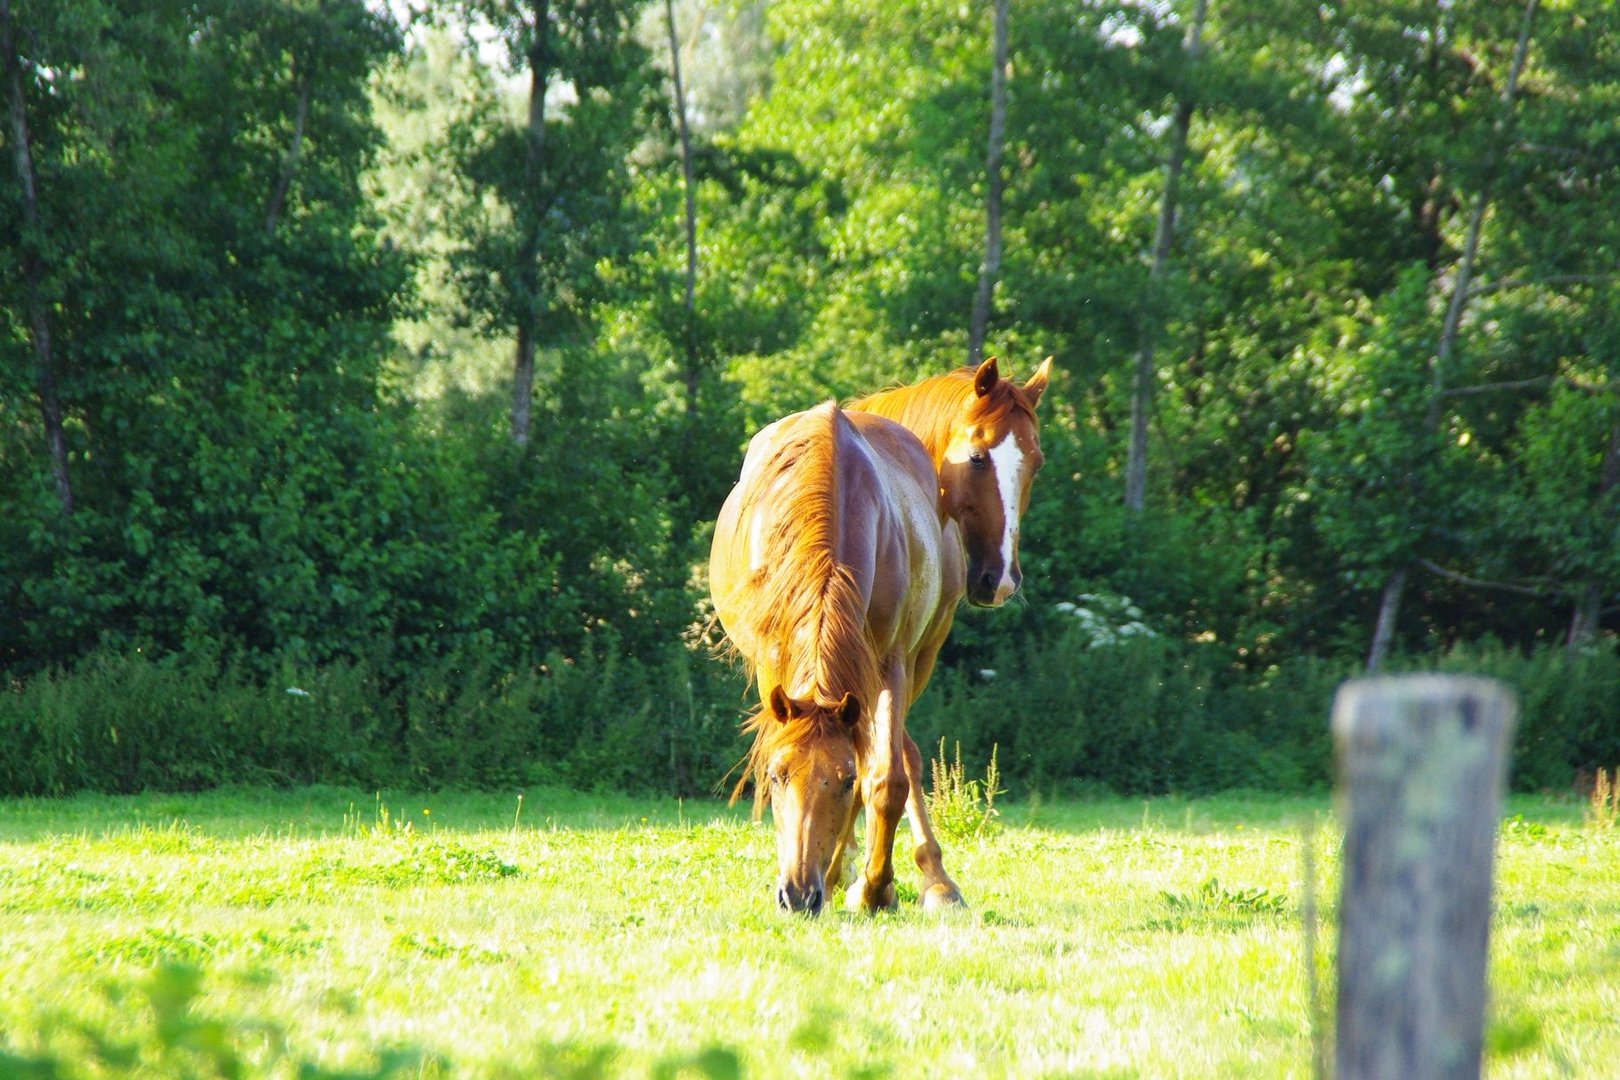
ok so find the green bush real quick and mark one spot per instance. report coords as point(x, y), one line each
point(125, 722)
point(1150, 714)
point(1145, 714)
point(1141, 715)
point(1569, 710)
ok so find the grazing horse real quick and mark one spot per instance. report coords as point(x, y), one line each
point(845, 526)
point(831, 576)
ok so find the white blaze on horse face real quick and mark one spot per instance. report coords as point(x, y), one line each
point(1008, 460)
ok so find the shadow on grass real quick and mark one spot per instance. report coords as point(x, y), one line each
point(163, 1032)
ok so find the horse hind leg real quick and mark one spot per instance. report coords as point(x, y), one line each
point(939, 892)
point(835, 869)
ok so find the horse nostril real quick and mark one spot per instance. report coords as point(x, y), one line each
point(815, 902)
point(782, 900)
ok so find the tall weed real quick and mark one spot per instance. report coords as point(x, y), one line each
point(961, 807)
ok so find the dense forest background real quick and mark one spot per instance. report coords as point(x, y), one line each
point(372, 374)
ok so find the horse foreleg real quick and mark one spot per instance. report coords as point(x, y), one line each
point(885, 798)
point(884, 789)
point(938, 891)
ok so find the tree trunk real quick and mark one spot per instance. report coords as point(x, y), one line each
point(694, 366)
point(523, 385)
point(1588, 609)
point(526, 275)
point(1460, 288)
point(1584, 617)
point(1389, 609)
point(39, 323)
point(289, 162)
point(991, 268)
point(1143, 371)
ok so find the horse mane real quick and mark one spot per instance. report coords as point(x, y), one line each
point(802, 606)
point(932, 407)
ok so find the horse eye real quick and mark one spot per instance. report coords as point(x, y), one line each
point(849, 783)
point(978, 459)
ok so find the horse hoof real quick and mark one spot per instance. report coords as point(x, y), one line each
point(860, 898)
point(942, 898)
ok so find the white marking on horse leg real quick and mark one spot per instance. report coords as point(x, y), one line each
point(883, 725)
point(919, 837)
point(1008, 460)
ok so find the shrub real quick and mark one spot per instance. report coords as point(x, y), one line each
point(1152, 714)
point(1141, 714)
point(124, 722)
point(1569, 709)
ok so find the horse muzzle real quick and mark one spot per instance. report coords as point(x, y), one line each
point(991, 587)
point(802, 899)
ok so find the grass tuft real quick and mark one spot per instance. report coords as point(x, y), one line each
point(1214, 900)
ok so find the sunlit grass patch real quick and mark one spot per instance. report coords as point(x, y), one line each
point(623, 937)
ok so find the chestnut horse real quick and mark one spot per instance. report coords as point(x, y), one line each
point(829, 573)
point(837, 564)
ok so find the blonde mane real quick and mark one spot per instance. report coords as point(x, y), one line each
point(932, 408)
point(802, 607)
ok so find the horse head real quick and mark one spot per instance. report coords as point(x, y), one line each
point(812, 775)
point(985, 473)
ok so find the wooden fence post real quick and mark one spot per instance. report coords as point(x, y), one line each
point(1422, 762)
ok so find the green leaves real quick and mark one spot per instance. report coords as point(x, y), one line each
point(548, 199)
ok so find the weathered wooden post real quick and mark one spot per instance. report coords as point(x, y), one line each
point(1422, 761)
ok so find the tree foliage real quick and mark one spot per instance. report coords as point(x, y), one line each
point(286, 254)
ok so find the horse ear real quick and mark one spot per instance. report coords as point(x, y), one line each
point(849, 710)
point(1037, 382)
point(781, 705)
point(984, 380)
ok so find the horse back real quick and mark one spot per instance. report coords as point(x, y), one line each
point(888, 530)
point(923, 606)
point(916, 560)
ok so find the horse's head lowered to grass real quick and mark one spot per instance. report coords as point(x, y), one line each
point(807, 767)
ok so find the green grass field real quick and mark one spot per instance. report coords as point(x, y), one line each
point(324, 932)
